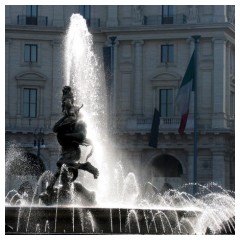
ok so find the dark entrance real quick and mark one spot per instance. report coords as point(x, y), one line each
point(166, 166)
point(166, 172)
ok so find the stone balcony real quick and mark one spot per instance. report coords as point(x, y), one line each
point(171, 124)
point(28, 20)
point(166, 124)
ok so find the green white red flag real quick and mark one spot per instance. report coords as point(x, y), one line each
point(184, 94)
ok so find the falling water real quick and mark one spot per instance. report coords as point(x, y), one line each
point(132, 216)
point(146, 220)
point(81, 216)
point(91, 220)
point(130, 191)
point(83, 72)
point(47, 227)
point(32, 202)
point(38, 228)
point(58, 190)
point(9, 193)
point(120, 220)
point(111, 222)
point(161, 214)
point(19, 217)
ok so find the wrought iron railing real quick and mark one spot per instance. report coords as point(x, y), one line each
point(165, 123)
point(159, 20)
point(30, 20)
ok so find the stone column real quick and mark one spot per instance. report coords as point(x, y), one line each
point(138, 77)
point(41, 107)
point(58, 16)
point(7, 15)
point(218, 167)
point(190, 160)
point(19, 118)
point(40, 100)
point(7, 69)
point(57, 81)
point(220, 14)
point(228, 82)
point(219, 84)
point(112, 16)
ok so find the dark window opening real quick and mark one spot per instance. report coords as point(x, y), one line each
point(166, 102)
point(30, 102)
point(31, 14)
point(30, 52)
point(167, 55)
point(167, 14)
point(167, 166)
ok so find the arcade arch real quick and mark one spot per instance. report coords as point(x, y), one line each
point(166, 172)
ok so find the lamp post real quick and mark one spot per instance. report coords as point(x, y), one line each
point(38, 141)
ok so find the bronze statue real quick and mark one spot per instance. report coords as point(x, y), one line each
point(71, 134)
point(68, 190)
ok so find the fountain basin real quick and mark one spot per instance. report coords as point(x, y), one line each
point(93, 220)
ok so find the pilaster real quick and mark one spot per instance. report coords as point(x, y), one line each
point(19, 117)
point(7, 69)
point(218, 167)
point(138, 77)
point(190, 159)
point(220, 13)
point(219, 83)
point(58, 16)
point(57, 79)
point(112, 16)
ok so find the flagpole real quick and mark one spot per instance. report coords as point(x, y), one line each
point(196, 42)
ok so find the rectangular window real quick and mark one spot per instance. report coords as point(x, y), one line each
point(166, 102)
point(167, 14)
point(30, 53)
point(31, 14)
point(167, 53)
point(30, 102)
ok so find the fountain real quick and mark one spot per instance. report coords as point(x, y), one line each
point(114, 205)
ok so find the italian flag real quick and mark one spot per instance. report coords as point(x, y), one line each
point(184, 94)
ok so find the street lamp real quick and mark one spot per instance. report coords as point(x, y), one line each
point(38, 140)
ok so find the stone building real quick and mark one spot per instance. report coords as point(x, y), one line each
point(151, 52)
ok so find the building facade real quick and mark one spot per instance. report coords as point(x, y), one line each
point(149, 57)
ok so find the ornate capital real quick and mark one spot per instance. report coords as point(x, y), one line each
point(137, 42)
point(219, 40)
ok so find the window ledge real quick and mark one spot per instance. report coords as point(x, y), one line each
point(32, 78)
